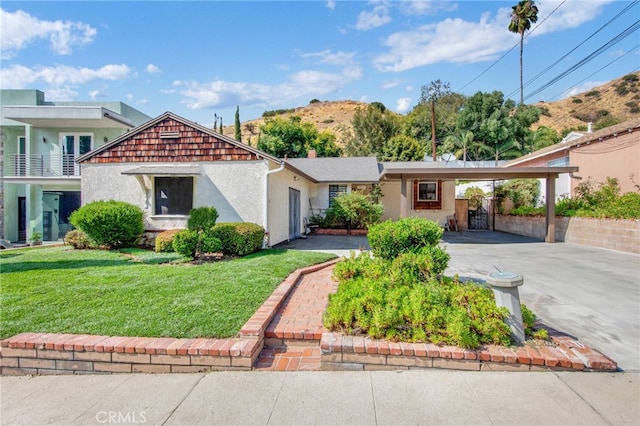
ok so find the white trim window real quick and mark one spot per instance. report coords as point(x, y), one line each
point(335, 190)
point(173, 195)
point(427, 191)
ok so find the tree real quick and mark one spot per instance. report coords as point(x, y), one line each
point(325, 145)
point(497, 125)
point(431, 93)
point(417, 123)
point(373, 127)
point(238, 133)
point(293, 138)
point(403, 148)
point(523, 15)
point(542, 137)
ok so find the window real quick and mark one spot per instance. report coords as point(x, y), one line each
point(334, 191)
point(173, 195)
point(427, 191)
point(558, 162)
point(427, 195)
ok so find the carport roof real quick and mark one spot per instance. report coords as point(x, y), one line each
point(428, 170)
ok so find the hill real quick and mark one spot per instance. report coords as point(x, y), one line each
point(618, 100)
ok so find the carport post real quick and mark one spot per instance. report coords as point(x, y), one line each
point(550, 236)
point(403, 196)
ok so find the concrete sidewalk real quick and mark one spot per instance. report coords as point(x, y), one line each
point(325, 398)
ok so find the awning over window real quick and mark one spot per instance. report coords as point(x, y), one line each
point(166, 170)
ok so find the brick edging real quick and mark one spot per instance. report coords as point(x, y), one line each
point(342, 352)
point(53, 353)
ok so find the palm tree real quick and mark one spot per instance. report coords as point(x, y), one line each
point(524, 14)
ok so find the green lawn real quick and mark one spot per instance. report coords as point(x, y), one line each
point(61, 290)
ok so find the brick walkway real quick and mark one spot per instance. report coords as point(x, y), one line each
point(292, 339)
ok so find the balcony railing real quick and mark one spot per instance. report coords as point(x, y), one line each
point(42, 165)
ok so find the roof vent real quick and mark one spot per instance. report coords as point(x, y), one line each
point(169, 135)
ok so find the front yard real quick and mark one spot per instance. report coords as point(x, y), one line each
point(137, 293)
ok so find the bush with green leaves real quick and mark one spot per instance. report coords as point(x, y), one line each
point(78, 240)
point(239, 238)
point(185, 243)
point(523, 192)
point(164, 241)
point(351, 211)
point(401, 300)
point(209, 244)
point(114, 224)
point(202, 218)
point(389, 239)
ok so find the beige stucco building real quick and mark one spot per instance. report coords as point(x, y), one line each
point(610, 152)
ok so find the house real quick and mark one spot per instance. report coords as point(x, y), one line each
point(169, 165)
point(39, 143)
point(610, 152)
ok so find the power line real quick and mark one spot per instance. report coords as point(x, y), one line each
point(624, 34)
point(530, 81)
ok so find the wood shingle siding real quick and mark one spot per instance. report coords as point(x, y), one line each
point(191, 145)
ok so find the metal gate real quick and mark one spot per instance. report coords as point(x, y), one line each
point(478, 219)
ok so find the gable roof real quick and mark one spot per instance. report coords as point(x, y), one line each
point(338, 169)
point(171, 138)
point(629, 126)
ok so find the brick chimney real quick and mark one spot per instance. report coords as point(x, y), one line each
point(312, 153)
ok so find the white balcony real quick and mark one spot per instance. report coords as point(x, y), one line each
point(41, 165)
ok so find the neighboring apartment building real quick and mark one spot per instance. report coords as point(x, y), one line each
point(39, 143)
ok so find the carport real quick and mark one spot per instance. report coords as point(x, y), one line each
point(407, 171)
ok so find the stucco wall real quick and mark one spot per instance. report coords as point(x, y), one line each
point(235, 189)
point(391, 201)
point(622, 235)
point(617, 157)
point(279, 184)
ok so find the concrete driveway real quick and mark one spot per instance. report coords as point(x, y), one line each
point(592, 294)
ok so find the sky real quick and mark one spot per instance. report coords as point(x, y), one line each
point(201, 59)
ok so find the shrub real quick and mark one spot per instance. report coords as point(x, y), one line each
point(202, 218)
point(239, 238)
point(164, 241)
point(523, 192)
point(419, 266)
point(356, 210)
point(452, 313)
point(209, 244)
point(114, 224)
point(475, 195)
point(185, 243)
point(78, 240)
point(389, 239)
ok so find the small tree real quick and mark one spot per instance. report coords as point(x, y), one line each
point(357, 210)
point(238, 132)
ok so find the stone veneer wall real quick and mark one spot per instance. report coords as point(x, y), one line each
point(614, 234)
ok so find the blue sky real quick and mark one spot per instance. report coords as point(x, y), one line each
point(202, 58)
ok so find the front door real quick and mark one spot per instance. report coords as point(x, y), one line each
point(22, 219)
point(294, 214)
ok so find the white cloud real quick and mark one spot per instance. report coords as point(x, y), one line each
point(61, 94)
point(331, 4)
point(299, 87)
point(95, 94)
point(375, 18)
point(403, 105)
point(330, 58)
point(19, 77)
point(20, 29)
point(460, 41)
point(427, 7)
point(390, 84)
point(153, 69)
